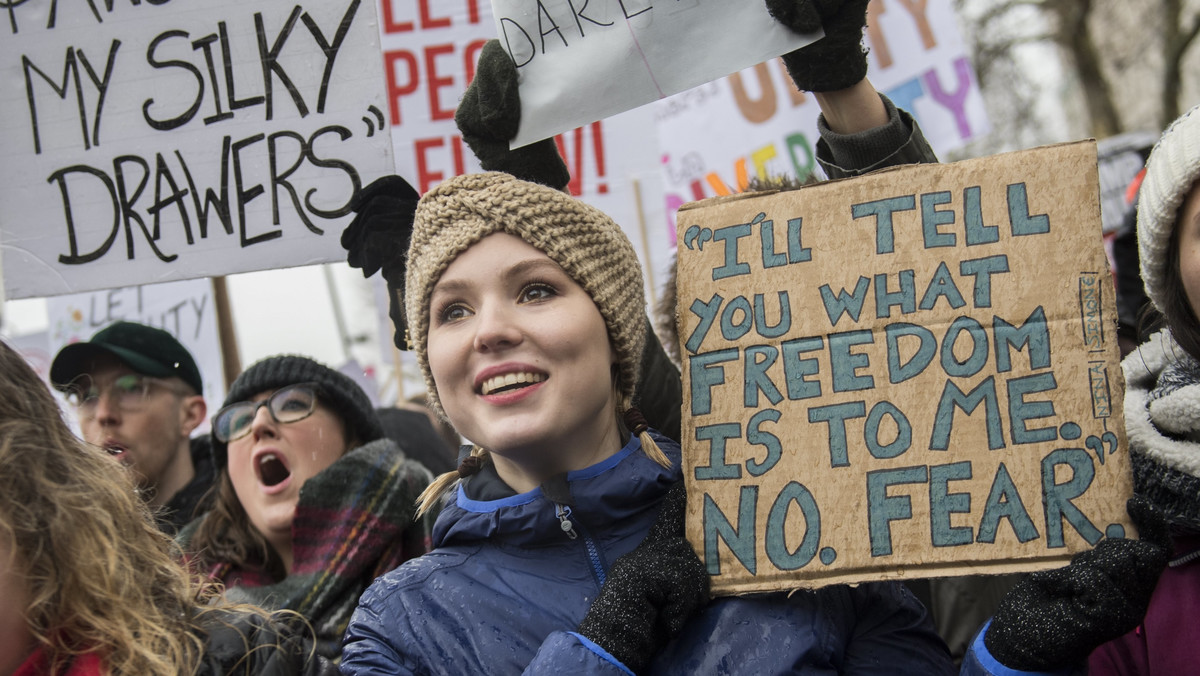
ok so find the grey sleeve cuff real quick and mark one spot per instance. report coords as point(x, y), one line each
point(900, 141)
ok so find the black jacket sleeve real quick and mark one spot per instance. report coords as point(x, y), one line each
point(900, 141)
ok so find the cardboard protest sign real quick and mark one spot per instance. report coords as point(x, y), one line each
point(912, 373)
point(155, 141)
point(583, 62)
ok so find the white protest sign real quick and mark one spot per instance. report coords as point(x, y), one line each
point(756, 124)
point(183, 309)
point(430, 48)
point(583, 62)
point(177, 138)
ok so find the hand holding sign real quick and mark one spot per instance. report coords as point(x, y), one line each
point(834, 62)
point(1053, 619)
point(488, 117)
point(377, 239)
point(651, 592)
point(582, 63)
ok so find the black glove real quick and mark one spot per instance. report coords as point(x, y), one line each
point(1053, 619)
point(651, 592)
point(377, 239)
point(488, 117)
point(837, 60)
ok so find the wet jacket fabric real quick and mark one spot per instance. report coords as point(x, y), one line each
point(505, 588)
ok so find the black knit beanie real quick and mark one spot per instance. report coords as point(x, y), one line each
point(336, 390)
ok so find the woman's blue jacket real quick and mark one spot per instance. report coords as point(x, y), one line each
point(506, 586)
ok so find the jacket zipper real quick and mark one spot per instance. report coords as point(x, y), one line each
point(593, 552)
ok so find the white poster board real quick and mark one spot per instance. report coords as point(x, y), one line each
point(183, 309)
point(155, 141)
point(582, 62)
point(430, 48)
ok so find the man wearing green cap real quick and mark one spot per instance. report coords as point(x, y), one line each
point(137, 390)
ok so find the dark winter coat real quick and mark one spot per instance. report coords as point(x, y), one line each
point(193, 499)
point(505, 587)
point(1162, 418)
point(246, 644)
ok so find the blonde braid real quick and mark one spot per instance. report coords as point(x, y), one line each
point(434, 492)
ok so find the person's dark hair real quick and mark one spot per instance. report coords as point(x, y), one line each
point(666, 314)
point(226, 536)
point(1177, 312)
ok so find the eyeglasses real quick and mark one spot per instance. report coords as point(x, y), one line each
point(287, 405)
point(127, 393)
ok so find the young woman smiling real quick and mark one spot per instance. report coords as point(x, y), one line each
point(559, 548)
point(312, 501)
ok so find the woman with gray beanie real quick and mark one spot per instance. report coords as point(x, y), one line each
point(312, 501)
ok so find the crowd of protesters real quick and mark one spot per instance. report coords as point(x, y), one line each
point(310, 533)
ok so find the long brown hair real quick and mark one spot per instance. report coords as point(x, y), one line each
point(100, 575)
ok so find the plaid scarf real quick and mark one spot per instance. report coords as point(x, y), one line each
point(354, 521)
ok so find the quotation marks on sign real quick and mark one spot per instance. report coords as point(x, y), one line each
point(377, 124)
point(695, 237)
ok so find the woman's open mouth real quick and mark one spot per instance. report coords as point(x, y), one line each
point(510, 382)
point(271, 469)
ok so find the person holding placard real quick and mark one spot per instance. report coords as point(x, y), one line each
point(1162, 385)
point(565, 481)
point(861, 131)
point(561, 547)
point(88, 583)
point(312, 500)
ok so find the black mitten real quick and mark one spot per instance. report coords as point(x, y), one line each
point(651, 592)
point(1054, 619)
point(837, 60)
point(488, 117)
point(377, 239)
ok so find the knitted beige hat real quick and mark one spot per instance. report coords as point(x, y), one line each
point(1171, 170)
point(586, 243)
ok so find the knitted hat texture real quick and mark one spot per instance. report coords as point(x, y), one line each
point(586, 243)
point(335, 389)
point(1171, 170)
